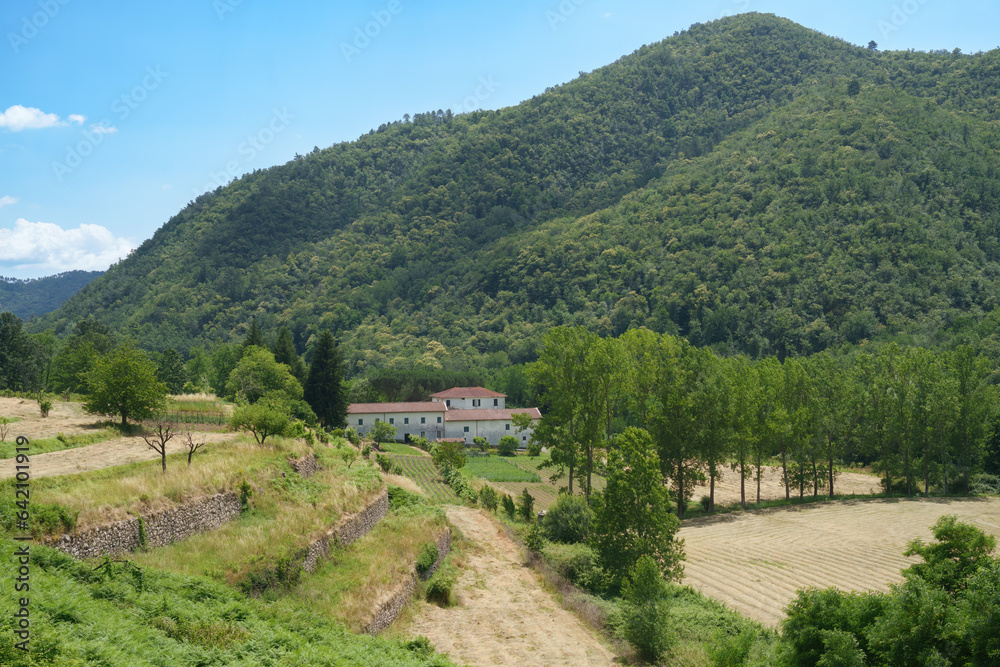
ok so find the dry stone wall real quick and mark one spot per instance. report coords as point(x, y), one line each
point(305, 466)
point(347, 530)
point(388, 609)
point(162, 528)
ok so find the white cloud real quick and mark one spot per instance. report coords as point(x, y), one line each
point(17, 118)
point(45, 248)
point(7, 200)
point(101, 128)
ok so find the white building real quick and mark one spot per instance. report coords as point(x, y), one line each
point(461, 412)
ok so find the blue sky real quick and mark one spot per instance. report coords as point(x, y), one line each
point(115, 115)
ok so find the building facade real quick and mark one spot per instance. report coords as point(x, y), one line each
point(459, 413)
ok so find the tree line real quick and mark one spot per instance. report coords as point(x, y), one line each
point(921, 419)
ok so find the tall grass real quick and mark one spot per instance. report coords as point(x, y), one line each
point(363, 574)
point(59, 442)
point(288, 512)
point(111, 494)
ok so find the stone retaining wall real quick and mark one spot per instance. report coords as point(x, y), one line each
point(306, 466)
point(347, 530)
point(162, 528)
point(387, 610)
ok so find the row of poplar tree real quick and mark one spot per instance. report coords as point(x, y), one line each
point(920, 418)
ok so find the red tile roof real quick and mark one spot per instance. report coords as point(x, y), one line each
point(369, 408)
point(488, 414)
point(467, 392)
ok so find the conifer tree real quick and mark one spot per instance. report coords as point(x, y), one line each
point(254, 336)
point(324, 390)
point(284, 353)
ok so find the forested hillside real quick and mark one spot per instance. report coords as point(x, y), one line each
point(26, 298)
point(748, 184)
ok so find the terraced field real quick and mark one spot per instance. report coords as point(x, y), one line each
point(754, 562)
point(421, 470)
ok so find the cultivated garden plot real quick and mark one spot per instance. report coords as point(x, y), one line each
point(755, 562)
point(421, 469)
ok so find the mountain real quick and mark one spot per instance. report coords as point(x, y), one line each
point(37, 296)
point(748, 183)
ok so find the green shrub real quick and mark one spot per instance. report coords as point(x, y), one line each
point(535, 449)
point(352, 436)
point(452, 453)
point(488, 498)
point(482, 443)
point(646, 612)
point(508, 446)
point(45, 406)
point(440, 587)
point(535, 541)
point(508, 505)
point(526, 505)
point(428, 556)
point(399, 498)
point(569, 520)
point(384, 462)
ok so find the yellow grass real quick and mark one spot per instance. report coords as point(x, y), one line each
point(404, 483)
point(111, 494)
point(288, 513)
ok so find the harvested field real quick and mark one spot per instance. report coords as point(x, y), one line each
point(727, 489)
point(754, 562)
point(64, 417)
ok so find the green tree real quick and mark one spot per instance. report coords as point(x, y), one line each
point(635, 519)
point(124, 383)
point(960, 550)
point(382, 432)
point(257, 374)
point(526, 505)
point(507, 446)
point(284, 353)
point(265, 418)
point(73, 362)
point(450, 453)
point(171, 370)
point(254, 336)
point(324, 388)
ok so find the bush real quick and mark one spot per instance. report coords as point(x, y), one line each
point(384, 462)
point(535, 540)
point(428, 556)
point(508, 505)
point(488, 498)
point(45, 406)
point(440, 588)
point(482, 443)
point(421, 443)
point(451, 453)
point(646, 610)
point(352, 436)
point(508, 446)
point(569, 520)
point(535, 449)
point(526, 505)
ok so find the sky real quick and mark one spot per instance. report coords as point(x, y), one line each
point(114, 115)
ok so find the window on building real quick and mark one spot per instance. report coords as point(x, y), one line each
point(439, 420)
point(423, 420)
point(392, 420)
point(496, 402)
point(466, 429)
point(406, 420)
point(361, 422)
point(523, 438)
point(448, 403)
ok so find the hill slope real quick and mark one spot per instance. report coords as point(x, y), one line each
point(26, 298)
point(748, 183)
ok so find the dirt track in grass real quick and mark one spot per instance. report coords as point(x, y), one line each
point(755, 562)
point(70, 419)
point(503, 617)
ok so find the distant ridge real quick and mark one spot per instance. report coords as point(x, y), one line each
point(32, 297)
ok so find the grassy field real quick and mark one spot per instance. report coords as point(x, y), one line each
point(401, 449)
point(421, 469)
point(497, 469)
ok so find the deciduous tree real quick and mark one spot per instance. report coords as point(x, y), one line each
point(124, 383)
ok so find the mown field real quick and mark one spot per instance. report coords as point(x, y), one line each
point(755, 562)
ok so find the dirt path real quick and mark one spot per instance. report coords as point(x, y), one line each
point(503, 616)
point(755, 562)
point(100, 455)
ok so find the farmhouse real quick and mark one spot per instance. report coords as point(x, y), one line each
point(458, 413)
